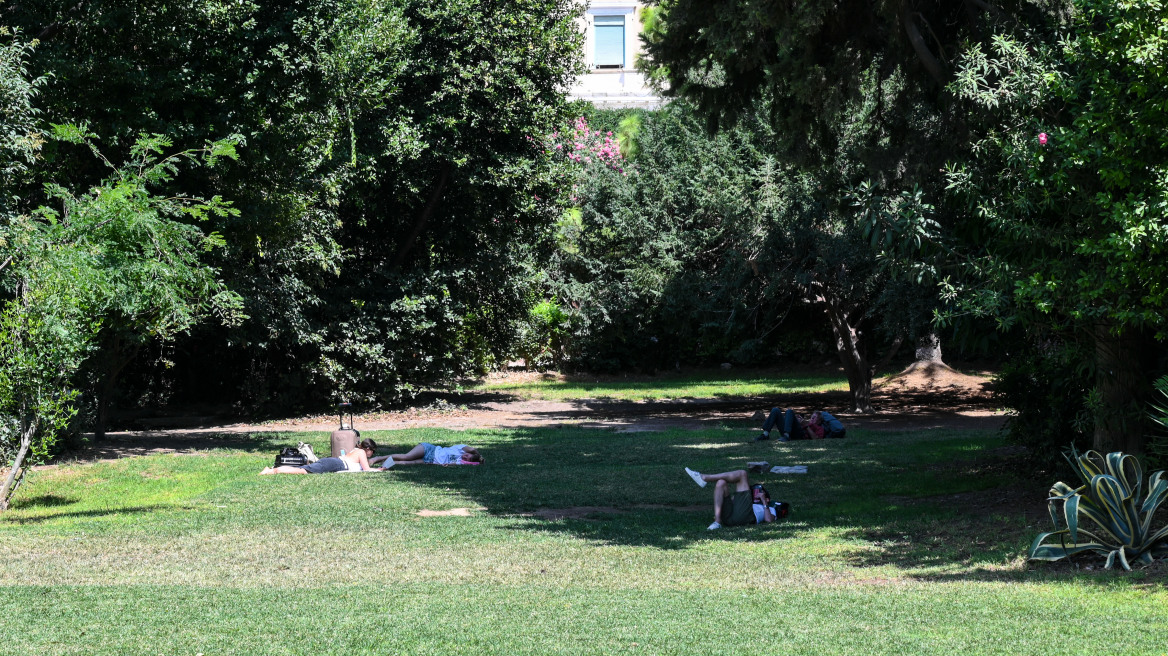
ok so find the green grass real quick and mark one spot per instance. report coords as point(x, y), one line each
point(889, 550)
point(701, 385)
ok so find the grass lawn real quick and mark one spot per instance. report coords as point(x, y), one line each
point(883, 554)
point(695, 385)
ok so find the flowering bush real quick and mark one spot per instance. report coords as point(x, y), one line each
point(586, 146)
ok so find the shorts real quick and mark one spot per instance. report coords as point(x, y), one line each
point(737, 509)
point(429, 455)
point(326, 466)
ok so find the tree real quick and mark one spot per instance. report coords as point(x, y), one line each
point(705, 247)
point(389, 179)
point(856, 93)
point(115, 258)
point(1067, 188)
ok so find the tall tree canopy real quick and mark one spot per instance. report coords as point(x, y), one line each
point(389, 176)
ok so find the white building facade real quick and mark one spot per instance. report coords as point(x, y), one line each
point(612, 42)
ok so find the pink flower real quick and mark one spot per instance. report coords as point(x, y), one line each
point(1042, 139)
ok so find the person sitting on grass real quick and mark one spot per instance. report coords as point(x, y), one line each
point(354, 461)
point(432, 454)
point(821, 424)
point(742, 507)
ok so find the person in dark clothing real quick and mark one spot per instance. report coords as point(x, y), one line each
point(819, 425)
point(743, 506)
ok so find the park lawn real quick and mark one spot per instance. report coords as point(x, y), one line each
point(573, 541)
point(697, 385)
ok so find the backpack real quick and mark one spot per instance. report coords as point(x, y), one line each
point(290, 456)
point(306, 449)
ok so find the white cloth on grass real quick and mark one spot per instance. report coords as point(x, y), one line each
point(793, 469)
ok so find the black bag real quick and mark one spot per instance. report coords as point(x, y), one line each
point(290, 456)
point(781, 509)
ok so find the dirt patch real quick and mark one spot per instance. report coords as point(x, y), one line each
point(916, 399)
point(935, 377)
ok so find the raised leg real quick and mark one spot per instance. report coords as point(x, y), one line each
point(719, 496)
point(737, 477)
point(771, 420)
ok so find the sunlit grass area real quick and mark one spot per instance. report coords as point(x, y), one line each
point(567, 541)
point(704, 385)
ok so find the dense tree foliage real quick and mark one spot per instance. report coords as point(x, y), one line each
point(1067, 185)
point(856, 95)
point(116, 259)
point(391, 181)
point(707, 248)
point(1047, 115)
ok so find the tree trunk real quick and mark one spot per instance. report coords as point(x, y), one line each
point(28, 428)
point(117, 362)
point(1118, 377)
point(929, 349)
point(855, 362)
point(424, 217)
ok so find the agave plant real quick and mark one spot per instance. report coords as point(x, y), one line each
point(1110, 498)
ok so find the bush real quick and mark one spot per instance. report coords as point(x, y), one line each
point(1047, 394)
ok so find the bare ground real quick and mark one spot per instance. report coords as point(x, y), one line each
point(921, 397)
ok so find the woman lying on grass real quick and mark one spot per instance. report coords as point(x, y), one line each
point(432, 454)
point(355, 461)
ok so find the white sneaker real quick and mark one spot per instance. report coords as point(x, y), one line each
point(387, 463)
point(713, 527)
point(696, 476)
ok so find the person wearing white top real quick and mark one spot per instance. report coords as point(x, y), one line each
point(432, 454)
point(356, 460)
point(744, 506)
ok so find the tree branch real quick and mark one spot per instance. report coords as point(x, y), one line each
point(931, 64)
point(424, 217)
point(53, 28)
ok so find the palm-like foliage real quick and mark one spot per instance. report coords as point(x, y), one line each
point(1111, 499)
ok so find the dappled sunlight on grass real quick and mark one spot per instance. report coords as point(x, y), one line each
point(575, 516)
point(681, 387)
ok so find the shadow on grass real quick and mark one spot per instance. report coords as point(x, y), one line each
point(940, 505)
point(124, 445)
point(105, 512)
point(42, 501)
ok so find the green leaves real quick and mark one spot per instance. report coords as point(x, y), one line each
point(1110, 501)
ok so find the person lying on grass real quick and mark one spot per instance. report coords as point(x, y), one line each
point(354, 461)
point(819, 425)
point(745, 506)
point(432, 454)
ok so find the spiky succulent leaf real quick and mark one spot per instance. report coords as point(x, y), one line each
point(1087, 465)
point(1127, 470)
point(1123, 559)
point(1062, 549)
point(1157, 493)
point(1111, 502)
point(1116, 501)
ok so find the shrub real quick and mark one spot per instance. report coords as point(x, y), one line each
point(1048, 398)
point(1110, 499)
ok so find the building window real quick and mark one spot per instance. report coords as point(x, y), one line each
point(610, 41)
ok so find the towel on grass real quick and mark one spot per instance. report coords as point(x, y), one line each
point(793, 469)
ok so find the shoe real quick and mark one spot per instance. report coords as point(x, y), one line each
point(713, 527)
point(762, 437)
point(785, 438)
point(387, 463)
point(696, 476)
